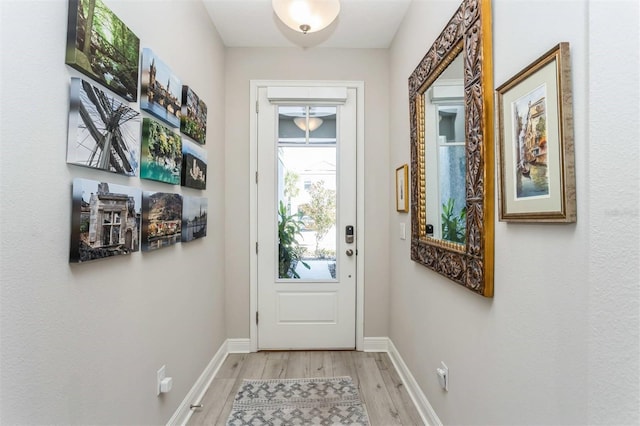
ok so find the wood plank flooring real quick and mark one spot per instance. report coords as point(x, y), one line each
point(382, 392)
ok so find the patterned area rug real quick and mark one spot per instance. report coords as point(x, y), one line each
point(321, 401)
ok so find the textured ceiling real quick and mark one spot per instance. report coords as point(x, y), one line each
point(361, 24)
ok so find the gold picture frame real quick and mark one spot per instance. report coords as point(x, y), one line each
point(536, 146)
point(402, 189)
point(467, 35)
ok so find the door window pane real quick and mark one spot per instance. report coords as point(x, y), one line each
point(307, 199)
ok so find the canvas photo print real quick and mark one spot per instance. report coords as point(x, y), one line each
point(103, 131)
point(105, 220)
point(102, 47)
point(161, 154)
point(161, 93)
point(194, 165)
point(193, 119)
point(161, 220)
point(194, 218)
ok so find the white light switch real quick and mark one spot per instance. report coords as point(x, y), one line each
point(403, 231)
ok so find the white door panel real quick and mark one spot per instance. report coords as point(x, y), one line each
point(307, 308)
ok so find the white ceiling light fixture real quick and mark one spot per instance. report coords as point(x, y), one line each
point(306, 16)
point(314, 123)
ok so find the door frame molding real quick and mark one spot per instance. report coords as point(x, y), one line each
point(253, 195)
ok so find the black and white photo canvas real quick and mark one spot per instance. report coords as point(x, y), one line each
point(194, 165)
point(105, 220)
point(194, 218)
point(104, 132)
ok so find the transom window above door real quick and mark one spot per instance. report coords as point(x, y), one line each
point(306, 124)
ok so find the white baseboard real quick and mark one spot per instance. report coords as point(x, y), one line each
point(195, 395)
point(376, 344)
point(238, 346)
point(423, 406)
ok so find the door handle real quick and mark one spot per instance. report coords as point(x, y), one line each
point(349, 252)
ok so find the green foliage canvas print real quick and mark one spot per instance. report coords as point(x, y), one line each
point(102, 47)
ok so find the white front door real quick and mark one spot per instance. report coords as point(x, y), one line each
point(306, 221)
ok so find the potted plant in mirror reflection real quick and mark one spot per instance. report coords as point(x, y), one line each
point(289, 250)
point(454, 226)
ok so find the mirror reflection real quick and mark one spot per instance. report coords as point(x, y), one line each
point(445, 155)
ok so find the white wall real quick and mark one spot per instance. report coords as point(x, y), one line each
point(369, 65)
point(557, 338)
point(81, 343)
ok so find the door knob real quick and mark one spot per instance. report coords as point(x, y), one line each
point(349, 252)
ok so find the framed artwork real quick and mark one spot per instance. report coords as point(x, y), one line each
point(161, 220)
point(161, 93)
point(102, 47)
point(535, 124)
point(161, 155)
point(105, 220)
point(193, 117)
point(194, 218)
point(194, 165)
point(402, 188)
point(103, 131)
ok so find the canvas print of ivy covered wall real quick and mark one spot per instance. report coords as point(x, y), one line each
point(161, 155)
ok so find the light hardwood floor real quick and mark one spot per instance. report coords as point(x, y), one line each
point(385, 397)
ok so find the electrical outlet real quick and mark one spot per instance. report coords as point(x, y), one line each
point(443, 376)
point(162, 373)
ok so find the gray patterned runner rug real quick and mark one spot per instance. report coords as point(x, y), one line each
point(321, 401)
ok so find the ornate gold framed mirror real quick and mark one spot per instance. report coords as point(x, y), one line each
point(452, 147)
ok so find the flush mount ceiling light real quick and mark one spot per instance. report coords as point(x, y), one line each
point(314, 123)
point(306, 16)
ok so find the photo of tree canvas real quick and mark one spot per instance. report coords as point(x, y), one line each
point(193, 119)
point(161, 93)
point(103, 131)
point(194, 218)
point(194, 165)
point(105, 220)
point(161, 155)
point(102, 47)
point(161, 220)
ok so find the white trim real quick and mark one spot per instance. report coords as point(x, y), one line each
point(195, 395)
point(253, 199)
point(360, 208)
point(376, 344)
point(429, 416)
point(238, 346)
point(282, 94)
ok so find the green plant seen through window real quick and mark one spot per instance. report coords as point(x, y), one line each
point(454, 227)
point(289, 250)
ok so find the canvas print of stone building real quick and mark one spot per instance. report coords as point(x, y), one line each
point(102, 47)
point(104, 132)
point(161, 93)
point(105, 220)
point(193, 118)
point(161, 220)
point(194, 218)
point(194, 165)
